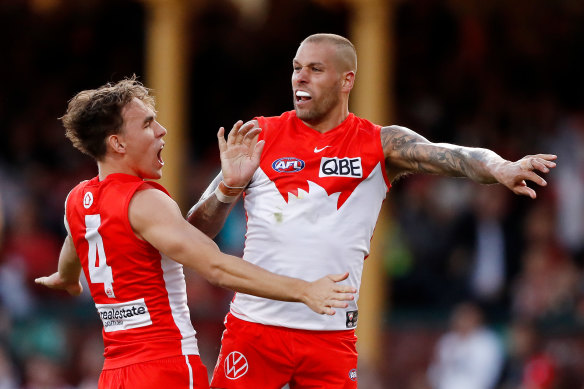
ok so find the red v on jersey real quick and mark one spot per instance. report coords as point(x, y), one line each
point(338, 160)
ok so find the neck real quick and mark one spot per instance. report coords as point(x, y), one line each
point(105, 168)
point(330, 121)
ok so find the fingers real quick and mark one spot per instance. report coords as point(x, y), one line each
point(257, 152)
point(248, 129)
point(221, 140)
point(343, 296)
point(249, 139)
point(540, 165)
point(329, 308)
point(328, 311)
point(241, 131)
point(342, 292)
point(547, 157)
point(541, 162)
point(529, 165)
point(233, 133)
point(533, 177)
point(45, 281)
point(525, 191)
point(338, 277)
point(240, 134)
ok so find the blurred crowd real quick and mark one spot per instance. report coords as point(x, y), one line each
point(469, 267)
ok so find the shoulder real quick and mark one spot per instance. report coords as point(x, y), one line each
point(152, 185)
point(354, 120)
point(150, 206)
point(271, 125)
point(395, 138)
point(150, 199)
point(79, 187)
point(267, 121)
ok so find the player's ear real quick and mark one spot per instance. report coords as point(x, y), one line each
point(116, 143)
point(348, 80)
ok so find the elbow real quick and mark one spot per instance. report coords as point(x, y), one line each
point(217, 276)
point(216, 270)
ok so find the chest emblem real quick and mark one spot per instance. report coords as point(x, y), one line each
point(88, 200)
point(288, 165)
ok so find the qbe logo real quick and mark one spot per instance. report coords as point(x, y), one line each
point(340, 167)
point(235, 365)
point(288, 165)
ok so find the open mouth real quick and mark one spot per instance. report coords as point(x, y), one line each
point(159, 155)
point(302, 96)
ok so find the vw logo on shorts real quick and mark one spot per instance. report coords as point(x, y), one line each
point(235, 365)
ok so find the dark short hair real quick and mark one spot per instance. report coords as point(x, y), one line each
point(94, 114)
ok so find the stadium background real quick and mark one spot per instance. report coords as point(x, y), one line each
point(498, 74)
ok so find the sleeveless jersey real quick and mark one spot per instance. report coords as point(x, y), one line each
point(311, 210)
point(140, 295)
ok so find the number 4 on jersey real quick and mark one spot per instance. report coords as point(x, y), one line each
point(99, 271)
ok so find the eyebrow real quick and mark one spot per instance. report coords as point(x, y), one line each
point(294, 62)
point(148, 119)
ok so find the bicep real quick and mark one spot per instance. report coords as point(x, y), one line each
point(408, 152)
point(402, 150)
point(157, 219)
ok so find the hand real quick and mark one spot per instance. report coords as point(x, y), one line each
point(325, 294)
point(240, 154)
point(514, 174)
point(54, 281)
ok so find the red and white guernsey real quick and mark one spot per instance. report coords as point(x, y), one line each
point(311, 209)
point(140, 295)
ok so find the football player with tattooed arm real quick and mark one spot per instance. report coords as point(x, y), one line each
point(311, 206)
point(131, 241)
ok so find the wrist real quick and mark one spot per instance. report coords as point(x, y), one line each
point(303, 292)
point(496, 171)
point(230, 183)
point(228, 194)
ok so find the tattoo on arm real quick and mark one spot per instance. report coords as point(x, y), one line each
point(408, 152)
point(209, 214)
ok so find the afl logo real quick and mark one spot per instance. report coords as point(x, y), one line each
point(87, 200)
point(235, 365)
point(288, 165)
point(353, 374)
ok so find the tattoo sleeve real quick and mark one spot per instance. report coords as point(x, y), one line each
point(408, 152)
point(209, 214)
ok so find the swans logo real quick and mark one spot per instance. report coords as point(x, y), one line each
point(88, 200)
point(288, 165)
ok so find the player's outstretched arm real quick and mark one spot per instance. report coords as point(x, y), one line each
point(408, 152)
point(157, 219)
point(68, 271)
point(240, 157)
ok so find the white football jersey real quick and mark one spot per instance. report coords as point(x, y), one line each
point(311, 209)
